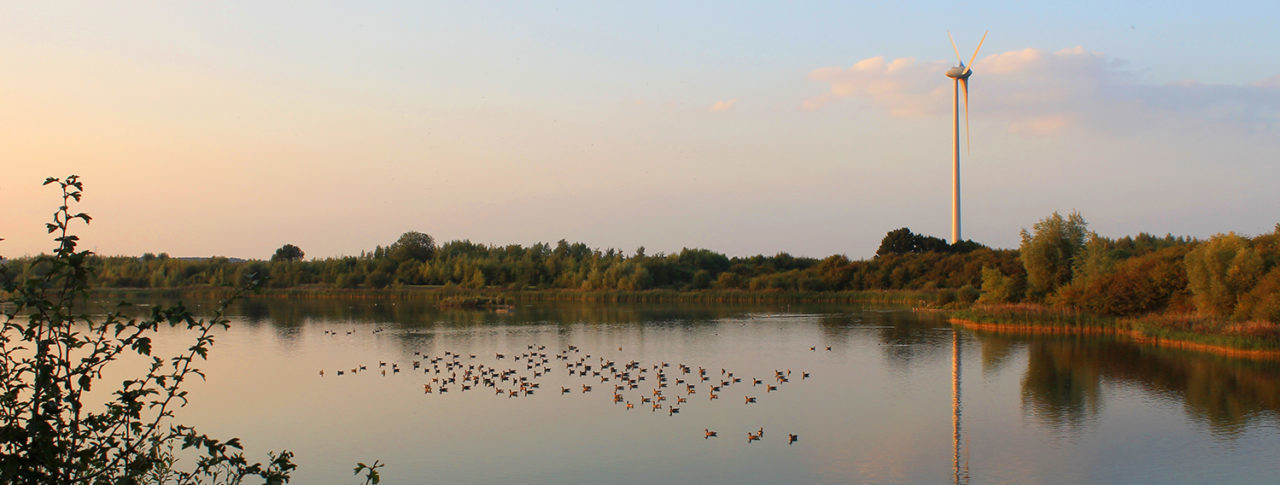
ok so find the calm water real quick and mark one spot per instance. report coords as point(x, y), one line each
point(879, 407)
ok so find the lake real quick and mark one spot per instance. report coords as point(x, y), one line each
point(891, 396)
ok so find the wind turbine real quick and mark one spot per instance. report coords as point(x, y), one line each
point(960, 74)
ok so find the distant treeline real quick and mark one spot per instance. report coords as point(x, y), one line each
point(1059, 263)
point(415, 260)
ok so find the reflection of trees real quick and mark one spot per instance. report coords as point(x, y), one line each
point(1061, 386)
point(996, 350)
point(1224, 393)
point(834, 329)
point(409, 313)
point(908, 336)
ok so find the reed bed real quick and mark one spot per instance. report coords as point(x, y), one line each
point(1173, 329)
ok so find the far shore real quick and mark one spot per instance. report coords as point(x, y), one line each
point(445, 294)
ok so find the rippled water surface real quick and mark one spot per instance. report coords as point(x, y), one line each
point(899, 398)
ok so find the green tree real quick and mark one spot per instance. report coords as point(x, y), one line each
point(408, 272)
point(1094, 259)
point(413, 245)
point(897, 241)
point(288, 252)
point(1049, 253)
point(476, 280)
point(903, 241)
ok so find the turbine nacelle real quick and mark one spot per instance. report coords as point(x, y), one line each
point(959, 72)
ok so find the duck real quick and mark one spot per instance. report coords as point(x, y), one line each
point(709, 433)
point(791, 438)
point(749, 399)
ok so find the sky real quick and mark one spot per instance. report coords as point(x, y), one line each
point(813, 128)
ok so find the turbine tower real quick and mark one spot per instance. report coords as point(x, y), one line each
point(960, 74)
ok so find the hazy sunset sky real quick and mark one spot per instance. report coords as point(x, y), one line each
point(231, 128)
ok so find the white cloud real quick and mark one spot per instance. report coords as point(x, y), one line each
point(1037, 92)
point(722, 106)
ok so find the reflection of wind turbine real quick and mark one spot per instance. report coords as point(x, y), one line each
point(961, 74)
point(960, 473)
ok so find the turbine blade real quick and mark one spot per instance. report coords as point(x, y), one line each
point(957, 49)
point(968, 144)
point(975, 51)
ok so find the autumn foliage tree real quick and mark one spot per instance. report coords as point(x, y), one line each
point(1220, 271)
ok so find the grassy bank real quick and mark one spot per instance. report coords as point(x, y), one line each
point(1255, 339)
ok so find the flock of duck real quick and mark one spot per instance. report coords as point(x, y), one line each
point(665, 388)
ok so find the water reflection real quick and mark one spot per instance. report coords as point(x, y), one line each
point(874, 411)
point(909, 337)
point(1062, 386)
point(960, 473)
point(1058, 390)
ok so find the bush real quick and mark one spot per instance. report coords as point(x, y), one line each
point(1136, 286)
point(945, 297)
point(53, 356)
point(999, 288)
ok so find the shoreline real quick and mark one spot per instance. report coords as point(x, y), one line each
point(1133, 335)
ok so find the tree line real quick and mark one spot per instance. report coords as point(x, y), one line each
point(1058, 263)
point(1228, 277)
point(416, 260)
